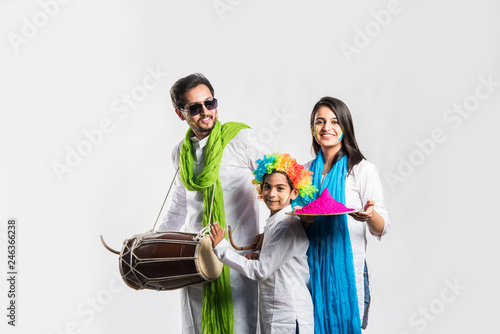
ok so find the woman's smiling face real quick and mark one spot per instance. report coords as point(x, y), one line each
point(326, 129)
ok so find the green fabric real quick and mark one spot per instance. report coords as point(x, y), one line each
point(217, 313)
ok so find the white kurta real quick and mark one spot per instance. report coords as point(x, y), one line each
point(283, 275)
point(242, 213)
point(362, 185)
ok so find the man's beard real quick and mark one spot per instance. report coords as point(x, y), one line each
point(203, 130)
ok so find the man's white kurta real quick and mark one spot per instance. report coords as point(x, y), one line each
point(283, 275)
point(362, 185)
point(242, 213)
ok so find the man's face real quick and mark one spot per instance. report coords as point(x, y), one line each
point(204, 122)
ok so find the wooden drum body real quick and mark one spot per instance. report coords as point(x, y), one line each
point(167, 261)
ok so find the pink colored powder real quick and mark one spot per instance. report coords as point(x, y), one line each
point(324, 204)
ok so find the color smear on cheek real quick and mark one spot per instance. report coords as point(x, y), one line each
point(341, 134)
point(189, 119)
point(284, 199)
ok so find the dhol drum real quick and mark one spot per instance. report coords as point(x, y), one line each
point(168, 260)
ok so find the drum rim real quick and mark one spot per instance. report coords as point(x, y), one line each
point(202, 272)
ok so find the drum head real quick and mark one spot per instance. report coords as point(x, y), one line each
point(209, 265)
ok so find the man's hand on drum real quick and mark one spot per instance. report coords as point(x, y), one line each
point(257, 243)
point(252, 256)
point(217, 234)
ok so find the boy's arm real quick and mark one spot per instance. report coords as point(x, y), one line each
point(251, 269)
point(280, 247)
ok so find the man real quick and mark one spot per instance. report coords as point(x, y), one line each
point(215, 161)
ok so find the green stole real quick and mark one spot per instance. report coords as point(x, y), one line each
point(217, 312)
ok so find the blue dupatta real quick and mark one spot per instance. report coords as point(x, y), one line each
point(330, 258)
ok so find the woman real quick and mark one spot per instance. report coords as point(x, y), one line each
point(339, 278)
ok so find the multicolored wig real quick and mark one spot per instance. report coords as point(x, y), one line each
point(300, 177)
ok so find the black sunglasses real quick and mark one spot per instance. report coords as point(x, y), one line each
point(196, 109)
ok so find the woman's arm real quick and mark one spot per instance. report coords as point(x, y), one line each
point(371, 193)
point(374, 221)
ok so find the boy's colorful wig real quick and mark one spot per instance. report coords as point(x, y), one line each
point(300, 177)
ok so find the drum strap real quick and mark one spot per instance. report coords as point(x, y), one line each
point(165, 200)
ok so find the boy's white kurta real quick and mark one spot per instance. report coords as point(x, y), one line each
point(362, 185)
point(241, 209)
point(283, 275)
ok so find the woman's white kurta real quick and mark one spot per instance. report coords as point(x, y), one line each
point(362, 185)
point(242, 213)
point(283, 275)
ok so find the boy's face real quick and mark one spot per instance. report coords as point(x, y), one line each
point(276, 192)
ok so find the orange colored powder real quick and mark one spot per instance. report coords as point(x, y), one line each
point(324, 204)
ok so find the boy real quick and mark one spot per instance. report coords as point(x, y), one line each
point(285, 303)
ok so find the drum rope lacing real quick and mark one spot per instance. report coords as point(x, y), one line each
point(143, 280)
point(206, 230)
point(139, 240)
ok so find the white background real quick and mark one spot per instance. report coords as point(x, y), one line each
point(269, 62)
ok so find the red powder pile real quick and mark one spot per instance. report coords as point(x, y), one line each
point(324, 204)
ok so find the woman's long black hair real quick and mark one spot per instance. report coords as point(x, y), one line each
point(349, 145)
